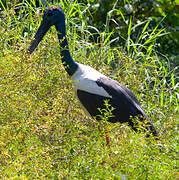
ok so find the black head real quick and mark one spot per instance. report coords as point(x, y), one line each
point(52, 16)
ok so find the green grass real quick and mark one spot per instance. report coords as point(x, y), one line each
point(44, 133)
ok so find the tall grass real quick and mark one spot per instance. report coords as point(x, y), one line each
point(45, 134)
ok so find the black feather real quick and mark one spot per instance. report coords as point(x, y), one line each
point(125, 104)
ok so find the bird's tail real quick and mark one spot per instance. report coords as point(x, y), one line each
point(143, 124)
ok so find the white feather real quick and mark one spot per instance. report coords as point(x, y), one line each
point(85, 79)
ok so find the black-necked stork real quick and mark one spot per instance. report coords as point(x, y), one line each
point(92, 87)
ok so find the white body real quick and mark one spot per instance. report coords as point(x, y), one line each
point(85, 79)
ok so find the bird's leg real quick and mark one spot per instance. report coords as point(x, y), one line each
point(107, 142)
point(107, 136)
point(99, 129)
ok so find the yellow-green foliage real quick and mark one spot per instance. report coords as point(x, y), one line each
point(45, 134)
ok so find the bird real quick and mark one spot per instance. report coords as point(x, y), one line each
point(91, 87)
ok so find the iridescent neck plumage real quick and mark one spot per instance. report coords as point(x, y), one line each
point(68, 62)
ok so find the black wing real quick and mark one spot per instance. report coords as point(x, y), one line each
point(123, 101)
point(114, 88)
point(127, 103)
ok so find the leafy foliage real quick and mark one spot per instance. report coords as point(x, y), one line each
point(43, 131)
point(118, 14)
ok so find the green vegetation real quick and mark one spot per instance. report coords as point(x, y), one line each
point(44, 133)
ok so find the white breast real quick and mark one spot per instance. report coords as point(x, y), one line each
point(85, 79)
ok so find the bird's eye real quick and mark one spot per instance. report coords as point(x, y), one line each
point(50, 14)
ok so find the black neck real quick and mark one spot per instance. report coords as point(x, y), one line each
point(68, 62)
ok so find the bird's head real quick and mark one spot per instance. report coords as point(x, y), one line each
point(52, 16)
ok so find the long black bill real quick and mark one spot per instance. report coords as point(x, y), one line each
point(44, 27)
